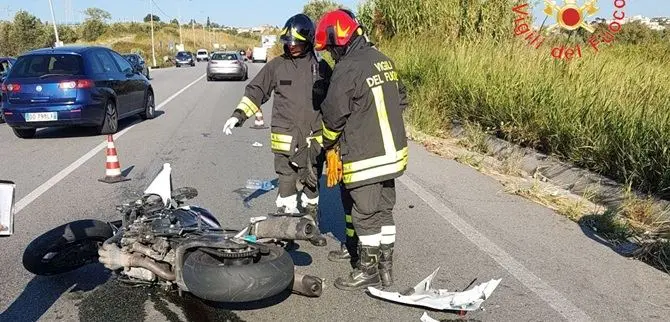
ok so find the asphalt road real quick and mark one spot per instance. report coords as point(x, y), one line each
point(448, 216)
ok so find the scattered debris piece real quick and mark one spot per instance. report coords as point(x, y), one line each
point(423, 295)
point(411, 206)
point(426, 318)
point(257, 144)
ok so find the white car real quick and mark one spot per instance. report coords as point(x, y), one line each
point(202, 54)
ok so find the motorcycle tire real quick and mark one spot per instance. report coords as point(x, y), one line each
point(208, 278)
point(66, 247)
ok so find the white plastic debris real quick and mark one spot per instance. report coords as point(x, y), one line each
point(257, 144)
point(440, 299)
point(426, 318)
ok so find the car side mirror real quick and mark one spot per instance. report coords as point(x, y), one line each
point(7, 189)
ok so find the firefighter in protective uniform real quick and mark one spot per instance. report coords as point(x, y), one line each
point(299, 82)
point(364, 130)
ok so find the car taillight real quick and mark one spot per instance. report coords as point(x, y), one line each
point(82, 83)
point(10, 88)
point(67, 85)
point(85, 83)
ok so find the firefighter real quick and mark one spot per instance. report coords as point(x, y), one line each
point(363, 128)
point(299, 82)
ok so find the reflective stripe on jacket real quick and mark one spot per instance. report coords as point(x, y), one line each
point(363, 112)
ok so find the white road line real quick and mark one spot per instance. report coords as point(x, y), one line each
point(555, 299)
point(25, 201)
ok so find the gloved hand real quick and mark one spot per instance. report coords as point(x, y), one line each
point(333, 166)
point(230, 124)
point(308, 177)
point(305, 159)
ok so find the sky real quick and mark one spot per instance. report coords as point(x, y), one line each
point(239, 13)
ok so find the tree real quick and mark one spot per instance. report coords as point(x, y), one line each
point(147, 18)
point(208, 22)
point(316, 8)
point(6, 43)
point(97, 14)
point(174, 21)
point(92, 29)
point(27, 32)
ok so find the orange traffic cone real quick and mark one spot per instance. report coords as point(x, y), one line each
point(112, 166)
point(258, 122)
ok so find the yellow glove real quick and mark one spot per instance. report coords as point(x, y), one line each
point(333, 166)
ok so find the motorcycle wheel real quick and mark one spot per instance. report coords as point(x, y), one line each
point(208, 278)
point(66, 248)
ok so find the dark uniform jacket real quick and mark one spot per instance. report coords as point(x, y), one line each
point(299, 85)
point(363, 111)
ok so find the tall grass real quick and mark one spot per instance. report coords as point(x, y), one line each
point(606, 112)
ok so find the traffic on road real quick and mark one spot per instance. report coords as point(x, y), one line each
point(285, 188)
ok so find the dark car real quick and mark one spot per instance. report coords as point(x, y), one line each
point(184, 58)
point(5, 65)
point(64, 86)
point(138, 64)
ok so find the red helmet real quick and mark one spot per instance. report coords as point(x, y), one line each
point(336, 28)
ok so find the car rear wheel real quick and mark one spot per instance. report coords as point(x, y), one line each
point(110, 123)
point(149, 107)
point(25, 133)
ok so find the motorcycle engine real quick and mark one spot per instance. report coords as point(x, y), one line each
point(151, 233)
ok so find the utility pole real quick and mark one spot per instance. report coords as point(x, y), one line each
point(151, 17)
point(53, 20)
point(193, 30)
point(179, 23)
point(204, 33)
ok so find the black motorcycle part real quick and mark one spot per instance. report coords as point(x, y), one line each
point(285, 227)
point(184, 193)
point(307, 285)
point(66, 247)
point(209, 278)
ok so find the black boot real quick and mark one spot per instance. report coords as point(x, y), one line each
point(318, 239)
point(348, 252)
point(367, 273)
point(386, 264)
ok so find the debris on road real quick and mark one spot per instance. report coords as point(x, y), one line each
point(426, 318)
point(423, 295)
point(257, 144)
point(265, 185)
point(7, 193)
point(307, 285)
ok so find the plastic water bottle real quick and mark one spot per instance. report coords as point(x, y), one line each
point(265, 185)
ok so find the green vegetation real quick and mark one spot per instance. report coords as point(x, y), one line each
point(606, 111)
point(26, 32)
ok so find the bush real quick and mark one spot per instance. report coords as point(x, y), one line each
point(606, 111)
point(92, 29)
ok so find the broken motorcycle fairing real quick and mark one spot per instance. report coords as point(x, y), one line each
point(161, 241)
point(423, 295)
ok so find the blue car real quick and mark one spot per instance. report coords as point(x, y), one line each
point(5, 65)
point(66, 86)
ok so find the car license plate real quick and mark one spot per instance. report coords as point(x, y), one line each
point(40, 117)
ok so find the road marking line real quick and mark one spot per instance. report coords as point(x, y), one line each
point(555, 299)
point(33, 195)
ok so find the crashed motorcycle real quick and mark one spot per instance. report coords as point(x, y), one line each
point(161, 241)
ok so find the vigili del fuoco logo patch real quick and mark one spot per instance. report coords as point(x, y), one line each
point(569, 15)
